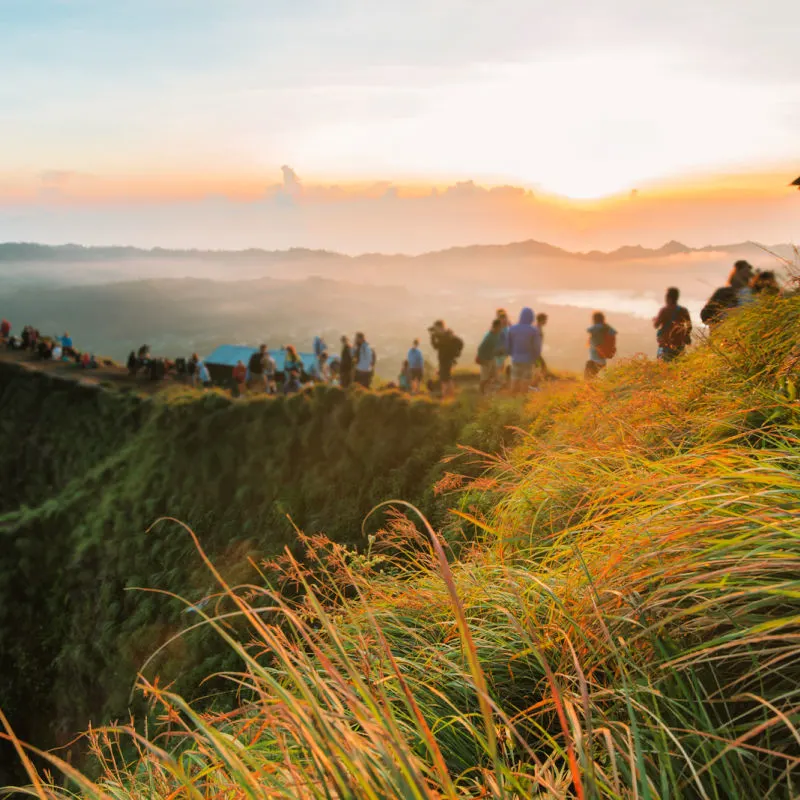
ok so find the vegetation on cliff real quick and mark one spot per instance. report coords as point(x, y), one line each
point(623, 623)
point(86, 473)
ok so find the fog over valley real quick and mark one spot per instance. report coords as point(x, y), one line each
point(112, 300)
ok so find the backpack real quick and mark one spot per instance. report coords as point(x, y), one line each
point(722, 299)
point(608, 347)
point(676, 336)
point(457, 346)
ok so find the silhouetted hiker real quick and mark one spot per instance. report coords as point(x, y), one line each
point(541, 321)
point(416, 367)
point(502, 353)
point(736, 293)
point(602, 345)
point(26, 337)
point(256, 368)
point(346, 364)
point(364, 359)
point(673, 327)
point(239, 378)
point(448, 347)
point(765, 283)
point(487, 354)
point(525, 348)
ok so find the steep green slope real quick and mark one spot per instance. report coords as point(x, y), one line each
point(625, 624)
point(88, 471)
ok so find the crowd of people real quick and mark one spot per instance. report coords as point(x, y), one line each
point(509, 356)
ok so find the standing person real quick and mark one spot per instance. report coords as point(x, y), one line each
point(66, 344)
point(5, 329)
point(203, 375)
point(364, 358)
point(487, 354)
point(256, 369)
point(448, 346)
point(763, 283)
point(602, 345)
point(502, 353)
point(736, 293)
point(346, 364)
point(416, 367)
point(673, 327)
point(239, 378)
point(525, 348)
point(324, 369)
point(541, 321)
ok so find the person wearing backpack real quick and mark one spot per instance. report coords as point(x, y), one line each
point(525, 348)
point(602, 345)
point(364, 358)
point(673, 327)
point(486, 358)
point(448, 347)
point(736, 293)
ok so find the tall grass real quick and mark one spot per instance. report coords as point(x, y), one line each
point(620, 619)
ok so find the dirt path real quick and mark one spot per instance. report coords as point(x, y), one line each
point(106, 376)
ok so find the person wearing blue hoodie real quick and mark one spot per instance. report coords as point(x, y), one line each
point(525, 349)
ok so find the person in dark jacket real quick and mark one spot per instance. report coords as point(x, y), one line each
point(673, 327)
point(448, 347)
point(346, 364)
point(525, 349)
point(736, 293)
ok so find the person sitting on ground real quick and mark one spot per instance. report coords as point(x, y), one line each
point(57, 352)
point(416, 367)
point(736, 293)
point(239, 378)
point(404, 378)
point(602, 345)
point(44, 350)
point(765, 283)
point(525, 348)
point(86, 359)
point(487, 354)
point(346, 364)
point(363, 360)
point(448, 347)
point(291, 381)
point(673, 327)
point(541, 321)
point(5, 329)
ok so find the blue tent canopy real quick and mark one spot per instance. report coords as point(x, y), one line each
point(228, 355)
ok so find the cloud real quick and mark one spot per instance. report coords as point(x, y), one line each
point(56, 177)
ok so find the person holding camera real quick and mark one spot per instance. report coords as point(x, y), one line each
point(448, 347)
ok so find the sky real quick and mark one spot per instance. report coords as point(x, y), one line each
point(160, 120)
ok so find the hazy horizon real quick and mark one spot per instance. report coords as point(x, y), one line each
point(359, 128)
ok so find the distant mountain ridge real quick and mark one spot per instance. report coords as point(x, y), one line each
point(31, 251)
